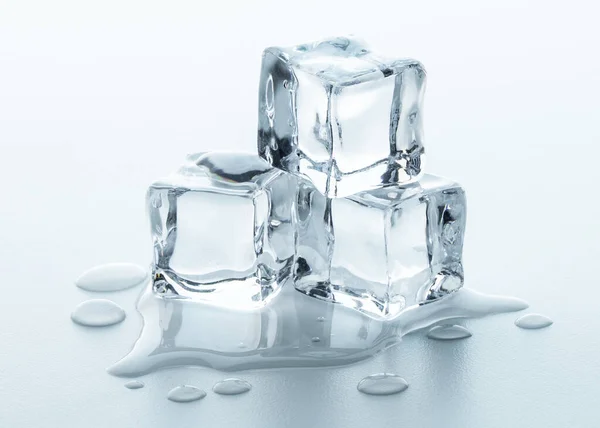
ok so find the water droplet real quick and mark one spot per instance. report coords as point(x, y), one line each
point(112, 277)
point(231, 386)
point(448, 332)
point(315, 339)
point(275, 223)
point(382, 384)
point(134, 384)
point(392, 195)
point(185, 394)
point(320, 319)
point(98, 313)
point(533, 321)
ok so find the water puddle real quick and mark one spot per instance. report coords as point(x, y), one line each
point(112, 277)
point(382, 384)
point(98, 313)
point(179, 332)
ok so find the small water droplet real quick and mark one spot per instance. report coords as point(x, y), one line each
point(392, 195)
point(112, 277)
point(242, 345)
point(98, 313)
point(448, 332)
point(382, 384)
point(134, 384)
point(320, 319)
point(275, 223)
point(315, 339)
point(533, 321)
point(231, 386)
point(185, 394)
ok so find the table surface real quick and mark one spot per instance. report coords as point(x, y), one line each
point(95, 104)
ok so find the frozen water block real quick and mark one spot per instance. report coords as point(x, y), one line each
point(222, 230)
point(383, 250)
point(341, 116)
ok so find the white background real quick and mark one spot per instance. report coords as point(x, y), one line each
point(99, 98)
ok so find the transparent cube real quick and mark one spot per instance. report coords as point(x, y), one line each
point(343, 117)
point(221, 228)
point(383, 250)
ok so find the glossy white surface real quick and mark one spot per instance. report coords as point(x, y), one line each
point(98, 101)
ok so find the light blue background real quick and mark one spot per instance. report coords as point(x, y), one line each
point(97, 100)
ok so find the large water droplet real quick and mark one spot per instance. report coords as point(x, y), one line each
point(134, 384)
point(98, 313)
point(232, 386)
point(185, 394)
point(533, 321)
point(112, 277)
point(382, 384)
point(448, 332)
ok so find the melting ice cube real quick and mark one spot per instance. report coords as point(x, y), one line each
point(221, 228)
point(345, 118)
point(382, 250)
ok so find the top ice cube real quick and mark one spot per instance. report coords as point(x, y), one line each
point(343, 117)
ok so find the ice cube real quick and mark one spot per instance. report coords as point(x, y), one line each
point(343, 117)
point(222, 230)
point(382, 250)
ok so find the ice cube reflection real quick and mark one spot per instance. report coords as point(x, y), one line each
point(181, 332)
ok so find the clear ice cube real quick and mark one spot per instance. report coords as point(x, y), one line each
point(343, 117)
point(222, 230)
point(381, 250)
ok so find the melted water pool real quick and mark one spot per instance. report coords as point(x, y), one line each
point(179, 332)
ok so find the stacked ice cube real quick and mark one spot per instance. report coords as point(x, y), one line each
point(335, 204)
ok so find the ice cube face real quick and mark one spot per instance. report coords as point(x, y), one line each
point(222, 231)
point(383, 250)
point(343, 117)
